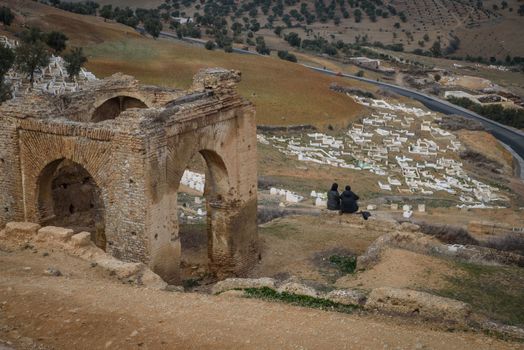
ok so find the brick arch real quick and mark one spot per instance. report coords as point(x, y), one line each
point(68, 196)
point(112, 106)
point(93, 156)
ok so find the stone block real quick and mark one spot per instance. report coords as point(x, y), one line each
point(297, 288)
point(410, 302)
point(59, 234)
point(346, 297)
point(243, 283)
point(21, 229)
point(82, 239)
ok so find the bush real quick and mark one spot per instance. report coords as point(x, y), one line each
point(210, 45)
point(284, 55)
point(448, 234)
point(511, 243)
point(346, 264)
point(508, 116)
point(6, 15)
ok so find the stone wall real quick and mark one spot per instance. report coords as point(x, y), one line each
point(136, 159)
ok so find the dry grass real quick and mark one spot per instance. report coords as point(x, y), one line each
point(486, 144)
point(81, 30)
point(448, 234)
point(284, 93)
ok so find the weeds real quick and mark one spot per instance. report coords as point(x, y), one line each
point(448, 234)
point(266, 293)
point(511, 243)
point(346, 264)
point(495, 291)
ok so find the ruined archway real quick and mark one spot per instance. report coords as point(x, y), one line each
point(69, 197)
point(112, 107)
point(201, 195)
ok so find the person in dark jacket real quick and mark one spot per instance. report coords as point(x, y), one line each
point(333, 198)
point(348, 201)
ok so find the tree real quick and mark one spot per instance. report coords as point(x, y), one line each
point(74, 61)
point(7, 58)
point(437, 77)
point(6, 15)
point(32, 35)
point(293, 39)
point(56, 41)
point(436, 50)
point(30, 57)
point(153, 26)
point(210, 45)
point(106, 11)
point(261, 46)
point(284, 55)
point(358, 15)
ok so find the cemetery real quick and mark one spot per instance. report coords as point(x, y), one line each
point(402, 145)
point(51, 79)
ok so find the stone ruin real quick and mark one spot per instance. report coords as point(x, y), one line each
point(109, 160)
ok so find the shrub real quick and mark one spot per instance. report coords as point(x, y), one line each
point(346, 264)
point(210, 45)
point(511, 243)
point(448, 234)
point(284, 55)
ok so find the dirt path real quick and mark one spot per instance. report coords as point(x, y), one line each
point(86, 309)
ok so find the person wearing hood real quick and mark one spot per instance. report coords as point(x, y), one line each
point(333, 198)
point(348, 201)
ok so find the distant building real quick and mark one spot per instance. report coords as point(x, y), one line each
point(480, 99)
point(372, 64)
point(182, 20)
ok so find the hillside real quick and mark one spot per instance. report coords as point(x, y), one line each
point(487, 28)
point(283, 92)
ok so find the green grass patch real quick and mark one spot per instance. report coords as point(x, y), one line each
point(495, 291)
point(346, 264)
point(266, 293)
point(279, 230)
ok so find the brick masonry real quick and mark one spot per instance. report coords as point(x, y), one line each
point(137, 160)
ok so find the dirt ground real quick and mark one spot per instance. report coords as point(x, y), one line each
point(86, 309)
point(400, 268)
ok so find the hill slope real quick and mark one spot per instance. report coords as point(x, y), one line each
point(283, 92)
point(462, 27)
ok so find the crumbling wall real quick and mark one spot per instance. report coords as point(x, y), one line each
point(134, 163)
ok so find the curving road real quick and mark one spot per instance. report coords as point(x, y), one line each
point(514, 138)
point(509, 136)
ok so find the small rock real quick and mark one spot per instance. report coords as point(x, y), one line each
point(27, 268)
point(93, 264)
point(346, 297)
point(173, 288)
point(45, 254)
point(51, 271)
point(297, 288)
point(134, 333)
point(82, 239)
point(243, 283)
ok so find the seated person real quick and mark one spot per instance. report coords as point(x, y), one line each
point(348, 201)
point(333, 198)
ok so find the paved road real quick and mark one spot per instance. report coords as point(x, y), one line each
point(512, 137)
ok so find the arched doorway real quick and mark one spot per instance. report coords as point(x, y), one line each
point(112, 108)
point(202, 189)
point(68, 196)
